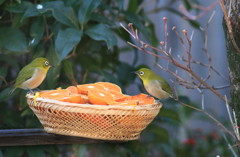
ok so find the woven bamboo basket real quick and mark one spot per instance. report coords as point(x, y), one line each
point(104, 122)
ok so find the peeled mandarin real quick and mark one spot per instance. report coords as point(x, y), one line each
point(73, 99)
point(72, 89)
point(100, 97)
point(117, 95)
point(142, 98)
point(83, 89)
point(110, 86)
point(54, 94)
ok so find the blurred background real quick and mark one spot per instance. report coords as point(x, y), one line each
point(101, 53)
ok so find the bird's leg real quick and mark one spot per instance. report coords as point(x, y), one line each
point(31, 91)
point(37, 89)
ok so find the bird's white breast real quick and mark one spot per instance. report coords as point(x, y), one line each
point(36, 79)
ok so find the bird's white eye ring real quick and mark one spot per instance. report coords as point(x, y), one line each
point(46, 63)
point(141, 73)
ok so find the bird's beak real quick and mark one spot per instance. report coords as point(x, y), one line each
point(52, 66)
point(134, 72)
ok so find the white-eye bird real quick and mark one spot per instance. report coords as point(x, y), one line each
point(154, 84)
point(32, 75)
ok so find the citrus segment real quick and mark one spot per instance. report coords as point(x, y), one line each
point(100, 97)
point(83, 89)
point(73, 99)
point(110, 86)
point(54, 94)
point(117, 95)
point(72, 89)
point(142, 98)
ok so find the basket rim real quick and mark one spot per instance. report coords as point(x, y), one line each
point(94, 106)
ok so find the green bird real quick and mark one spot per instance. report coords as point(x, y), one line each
point(154, 84)
point(32, 75)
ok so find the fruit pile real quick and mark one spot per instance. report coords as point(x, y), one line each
point(100, 93)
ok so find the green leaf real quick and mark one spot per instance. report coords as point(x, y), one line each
point(36, 31)
point(17, 21)
point(139, 23)
point(68, 70)
point(53, 74)
point(158, 133)
point(120, 4)
point(1, 2)
point(124, 74)
point(133, 6)
point(66, 40)
point(63, 14)
point(85, 10)
point(32, 11)
point(101, 32)
point(102, 19)
point(13, 40)
point(169, 114)
point(18, 8)
point(13, 151)
point(187, 4)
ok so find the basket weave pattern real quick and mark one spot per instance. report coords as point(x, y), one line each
point(93, 121)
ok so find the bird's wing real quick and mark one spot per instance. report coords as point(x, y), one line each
point(165, 86)
point(25, 74)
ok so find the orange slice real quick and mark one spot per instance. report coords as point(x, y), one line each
point(54, 94)
point(110, 86)
point(83, 89)
point(72, 89)
point(100, 97)
point(77, 98)
point(148, 100)
point(142, 98)
point(117, 95)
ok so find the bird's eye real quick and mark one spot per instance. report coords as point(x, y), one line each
point(141, 73)
point(46, 63)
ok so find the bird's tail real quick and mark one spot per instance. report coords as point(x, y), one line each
point(12, 90)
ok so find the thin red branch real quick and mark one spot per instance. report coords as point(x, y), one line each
point(189, 49)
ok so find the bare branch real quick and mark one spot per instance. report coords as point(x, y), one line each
point(204, 12)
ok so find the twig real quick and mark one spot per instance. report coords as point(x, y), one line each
point(192, 17)
point(231, 120)
point(208, 115)
point(142, 49)
point(201, 92)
